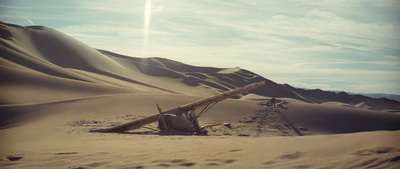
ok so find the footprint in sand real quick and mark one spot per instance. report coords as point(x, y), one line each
point(291, 156)
point(65, 153)
point(215, 162)
point(91, 165)
point(174, 163)
point(235, 150)
point(378, 150)
point(379, 157)
point(14, 158)
point(284, 157)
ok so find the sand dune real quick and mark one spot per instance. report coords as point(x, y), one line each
point(47, 51)
point(56, 135)
point(55, 89)
point(321, 96)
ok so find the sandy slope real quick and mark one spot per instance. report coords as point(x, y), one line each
point(54, 89)
point(321, 96)
point(56, 135)
point(51, 54)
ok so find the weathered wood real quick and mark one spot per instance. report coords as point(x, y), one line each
point(221, 97)
point(288, 122)
point(154, 118)
point(162, 118)
point(133, 125)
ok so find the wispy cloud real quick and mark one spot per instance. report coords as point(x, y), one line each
point(301, 43)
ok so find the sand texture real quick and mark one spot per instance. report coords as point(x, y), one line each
point(55, 90)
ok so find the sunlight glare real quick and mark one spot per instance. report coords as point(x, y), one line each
point(147, 14)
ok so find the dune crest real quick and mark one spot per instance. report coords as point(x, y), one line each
point(41, 65)
point(55, 56)
point(55, 89)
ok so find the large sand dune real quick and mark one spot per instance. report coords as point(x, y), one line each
point(54, 89)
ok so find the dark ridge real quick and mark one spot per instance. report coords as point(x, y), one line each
point(343, 97)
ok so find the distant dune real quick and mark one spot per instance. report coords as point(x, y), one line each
point(321, 96)
point(51, 57)
point(54, 89)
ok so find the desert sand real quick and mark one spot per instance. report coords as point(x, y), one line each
point(55, 90)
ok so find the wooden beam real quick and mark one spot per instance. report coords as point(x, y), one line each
point(132, 125)
point(222, 96)
point(191, 106)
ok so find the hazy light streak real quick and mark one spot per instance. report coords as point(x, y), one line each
point(30, 21)
point(147, 15)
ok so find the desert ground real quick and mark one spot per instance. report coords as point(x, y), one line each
point(55, 90)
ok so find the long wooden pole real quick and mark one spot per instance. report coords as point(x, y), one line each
point(132, 125)
point(222, 96)
point(288, 122)
point(191, 106)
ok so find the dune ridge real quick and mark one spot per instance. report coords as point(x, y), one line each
point(53, 53)
point(55, 89)
point(47, 51)
point(321, 96)
point(40, 65)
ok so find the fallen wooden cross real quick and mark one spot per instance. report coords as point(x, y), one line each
point(182, 118)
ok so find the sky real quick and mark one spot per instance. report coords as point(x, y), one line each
point(340, 45)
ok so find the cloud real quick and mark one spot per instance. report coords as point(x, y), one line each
point(125, 7)
point(288, 41)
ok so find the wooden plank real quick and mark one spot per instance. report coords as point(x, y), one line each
point(191, 106)
point(288, 122)
point(221, 97)
point(133, 125)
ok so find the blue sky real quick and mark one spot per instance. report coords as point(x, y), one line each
point(349, 45)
